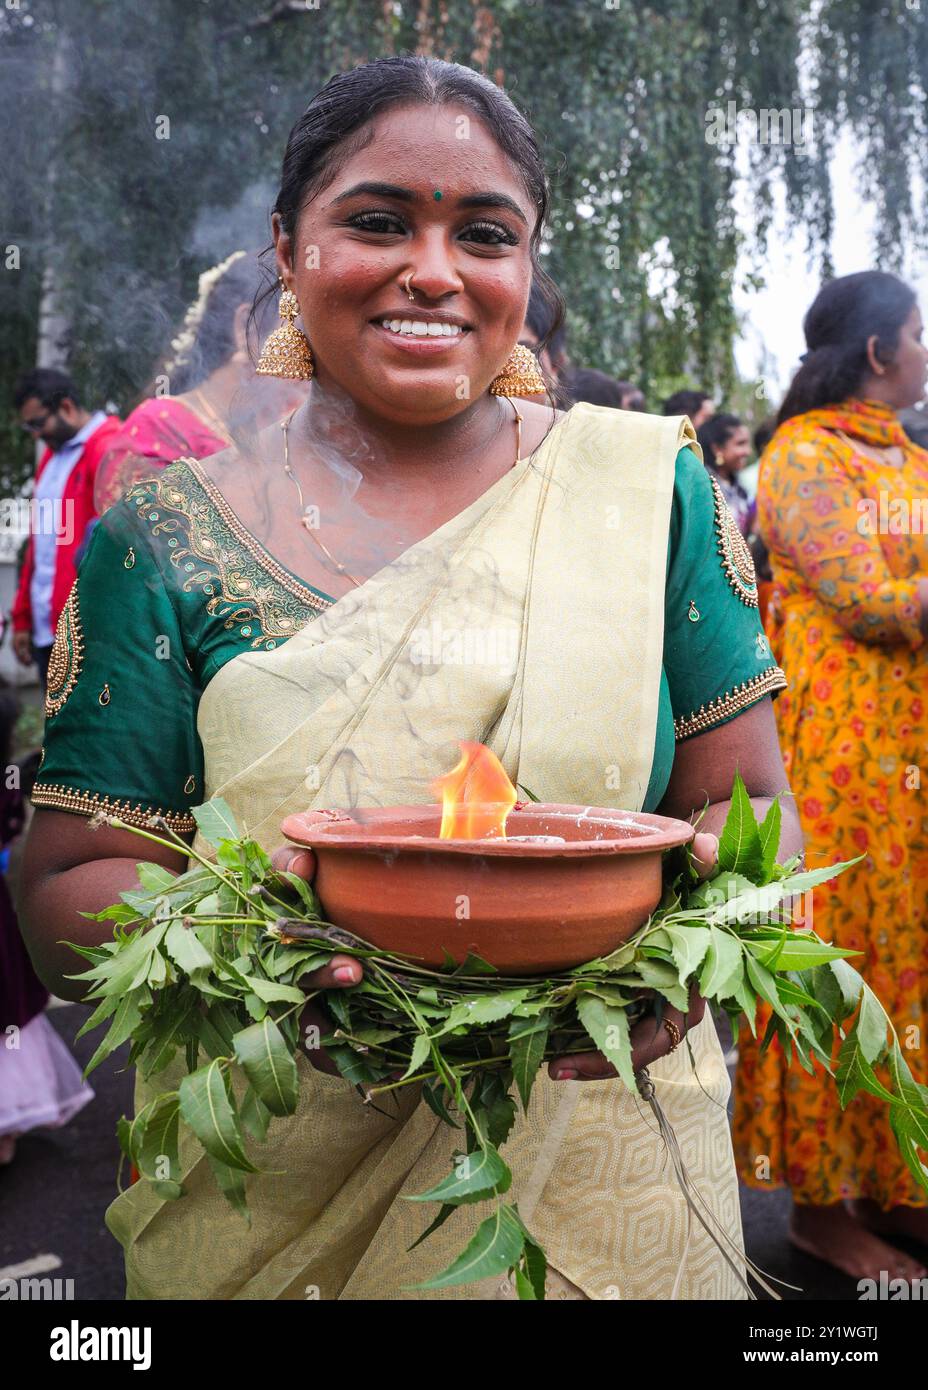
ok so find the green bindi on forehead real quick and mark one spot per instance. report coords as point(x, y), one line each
point(437, 195)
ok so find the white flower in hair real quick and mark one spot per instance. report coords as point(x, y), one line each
point(182, 345)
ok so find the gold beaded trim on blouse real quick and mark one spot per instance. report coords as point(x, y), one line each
point(737, 560)
point(61, 798)
point(731, 703)
point(67, 655)
point(234, 572)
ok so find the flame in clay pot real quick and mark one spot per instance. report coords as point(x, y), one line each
point(476, 796)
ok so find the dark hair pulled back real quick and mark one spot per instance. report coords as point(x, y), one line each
point(845, 314)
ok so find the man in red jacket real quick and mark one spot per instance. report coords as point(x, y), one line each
point(62, 505)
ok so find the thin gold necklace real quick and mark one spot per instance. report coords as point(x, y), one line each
point(304, 521)
point(209, 415)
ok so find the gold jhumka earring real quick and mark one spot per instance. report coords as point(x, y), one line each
point(287, 352)
point(520, 375)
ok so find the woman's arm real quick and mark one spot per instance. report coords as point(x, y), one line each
point(704, 769)
point(67, 869)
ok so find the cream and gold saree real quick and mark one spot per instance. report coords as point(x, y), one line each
point(532, 622)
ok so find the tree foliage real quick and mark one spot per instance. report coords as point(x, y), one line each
point(643, 237)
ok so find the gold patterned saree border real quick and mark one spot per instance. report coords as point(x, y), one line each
point(732, 702)
point(62, 798)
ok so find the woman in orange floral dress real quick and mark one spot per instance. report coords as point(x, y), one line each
point(843, 508)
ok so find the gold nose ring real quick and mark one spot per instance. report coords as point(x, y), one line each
point(406, 286)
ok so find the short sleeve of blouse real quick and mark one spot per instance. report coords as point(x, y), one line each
point(717, 659)
point(121, 701)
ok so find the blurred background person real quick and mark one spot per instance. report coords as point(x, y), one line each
point(63, 506)
point(40, 1083)
point(599, 388)
point(211, 380)
point(726, 448)
point(698, 405)
point(847, 622)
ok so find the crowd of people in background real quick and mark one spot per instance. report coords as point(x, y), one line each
point(846, 614)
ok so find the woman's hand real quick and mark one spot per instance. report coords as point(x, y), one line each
point(650, 1040)
point(340, 972)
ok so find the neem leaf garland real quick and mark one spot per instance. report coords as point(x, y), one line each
point(208, 964)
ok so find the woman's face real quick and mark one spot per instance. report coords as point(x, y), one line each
point(735, 452)
point(906, 373)
point(468, 252)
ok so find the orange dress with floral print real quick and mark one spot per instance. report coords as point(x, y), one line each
point(843, 508)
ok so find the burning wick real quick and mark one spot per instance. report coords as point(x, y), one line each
point(476, 796)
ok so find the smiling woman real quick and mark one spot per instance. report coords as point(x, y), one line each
point(278, 665)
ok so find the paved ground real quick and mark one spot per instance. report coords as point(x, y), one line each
point(52, 1198)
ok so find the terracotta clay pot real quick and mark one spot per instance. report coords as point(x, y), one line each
point(529, 908)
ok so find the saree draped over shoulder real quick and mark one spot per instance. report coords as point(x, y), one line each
point(531, 622)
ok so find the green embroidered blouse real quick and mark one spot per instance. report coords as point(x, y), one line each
point(173, 585)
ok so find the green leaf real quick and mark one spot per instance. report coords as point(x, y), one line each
point(421, 1052)
point(476, 1177)
point(232, 1186)
point(607, 1025)
point(495, 1248)
point(159, 1148)
point(271, 991)
point(755, 904)
point(850, 984)
point(474, 965)
point(769, 834)
point(871, 1025)
point(155, 878)
point(799, 952)
point(185, 949)
point(665, 978)
point(536, 1265)
point(528, 1038)
point(723, 967)
point(255, 1116)
point(854, 1073)
point(494, 1108)
point(524, 1287)
point(169, 1029)
point(431, 1094)
point(126, 1018)
point(216, 821)
point(351, 1064)
point(440, 1220)
point(307, 896)
point(739, 843)
point(101, 1013)
point(483, 1008)
point(764, 982)
point(811, 878)
point(265, 1059)
point(689, 947)
point(206, 1108)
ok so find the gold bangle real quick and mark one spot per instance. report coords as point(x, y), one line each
point(676, 1036)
